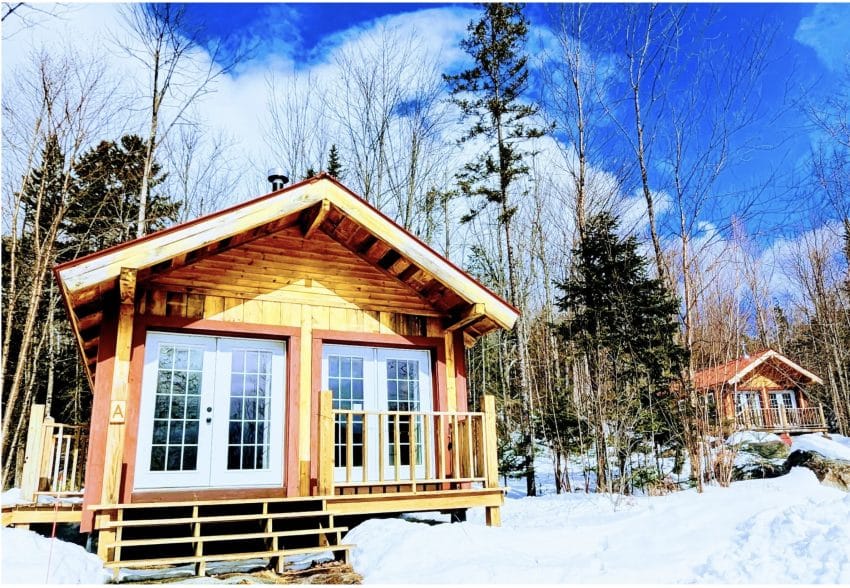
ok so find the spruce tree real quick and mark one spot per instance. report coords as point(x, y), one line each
point(334, 164)
point(106, 209)
point(489, 95)
point(623, 322)
point(44, 195)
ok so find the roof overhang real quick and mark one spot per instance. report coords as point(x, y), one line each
point(771, 354)
point(318, 203)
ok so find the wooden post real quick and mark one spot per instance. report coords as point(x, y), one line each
point(411, 450)
point(822, 418)
point(114, 455)
point(48, 444)
point(491, 441)
point(201, 566)
point(783, 418)
point(492, 513)
point(326, 444)
point(349, 445)
point(34, 449)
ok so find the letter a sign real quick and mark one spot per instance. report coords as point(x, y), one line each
point(117, 412)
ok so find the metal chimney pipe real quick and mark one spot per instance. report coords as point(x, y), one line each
point(278, 178)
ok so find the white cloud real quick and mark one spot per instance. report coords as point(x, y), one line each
point(633, 211)
point(827, 31)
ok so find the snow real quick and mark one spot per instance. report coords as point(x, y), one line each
point(13, 497)
point(741, 437)
point(29, 558)
point(838, 447)
point(787, 529)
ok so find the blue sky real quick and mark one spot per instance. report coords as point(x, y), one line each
point(810, 41)
point(806, 58)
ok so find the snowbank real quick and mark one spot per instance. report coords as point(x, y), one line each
point(12, 497)
point(788, 529)
point(836, 448)
point(26, 556)
point(741, 437)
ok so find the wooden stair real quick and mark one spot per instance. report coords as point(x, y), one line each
point(178, 533)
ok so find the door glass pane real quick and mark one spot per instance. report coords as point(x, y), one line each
point(403, 395)
point(250, 401)
point(781, 399)
point(174, 439)
point(345, 379)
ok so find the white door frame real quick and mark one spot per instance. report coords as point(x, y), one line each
point(220, 475)
point(425, 404)
point(211, 468)
point(780, 393)
point(198, 477)
point(375, 399)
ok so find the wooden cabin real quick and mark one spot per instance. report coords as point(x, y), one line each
point(297, 356)
point(761, 392)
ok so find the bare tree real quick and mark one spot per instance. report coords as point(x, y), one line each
point(28, 15)
point(575, 79)
point(373, 76)
point(60, 105)
point(297, 133)
point(417, 149)
point(167, 44)
point(202, 174)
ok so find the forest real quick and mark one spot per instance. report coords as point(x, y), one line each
point(595, 167)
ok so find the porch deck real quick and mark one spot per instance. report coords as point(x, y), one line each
point(782, 420)
point(368, 463)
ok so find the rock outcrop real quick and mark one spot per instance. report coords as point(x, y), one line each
point(832, 472)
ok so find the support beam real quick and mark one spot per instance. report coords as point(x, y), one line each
point(313, 217)
point(114, 457)
point(492, 514)
point(326, 444)
point(33, 455)
point(472, 314)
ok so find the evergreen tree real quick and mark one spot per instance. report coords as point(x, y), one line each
point(623, 322)
point(334, 163)
point(489, 96)
point(106, 209)
point(43, 195)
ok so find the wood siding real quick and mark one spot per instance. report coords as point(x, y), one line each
point(285, 268)
point(304, 291)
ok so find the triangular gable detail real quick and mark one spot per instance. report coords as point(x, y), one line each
point(101, 269)
point(735, 371)
point(770, 354)
point(289, 266)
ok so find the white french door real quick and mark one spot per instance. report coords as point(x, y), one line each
point(785, 398)
point(212, 412)
point(377, 380)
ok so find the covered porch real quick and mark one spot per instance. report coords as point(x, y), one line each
point(369, 463)
point(782, 419)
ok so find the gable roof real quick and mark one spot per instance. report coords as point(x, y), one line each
point(733, 372)
point(318, 203)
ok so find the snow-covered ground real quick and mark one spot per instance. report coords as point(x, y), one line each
point(29, 558)
point(783, 530)
point(838, 447)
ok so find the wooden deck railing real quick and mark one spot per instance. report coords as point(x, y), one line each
point(55, 456)
point(782, 419)
point(372, 448)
